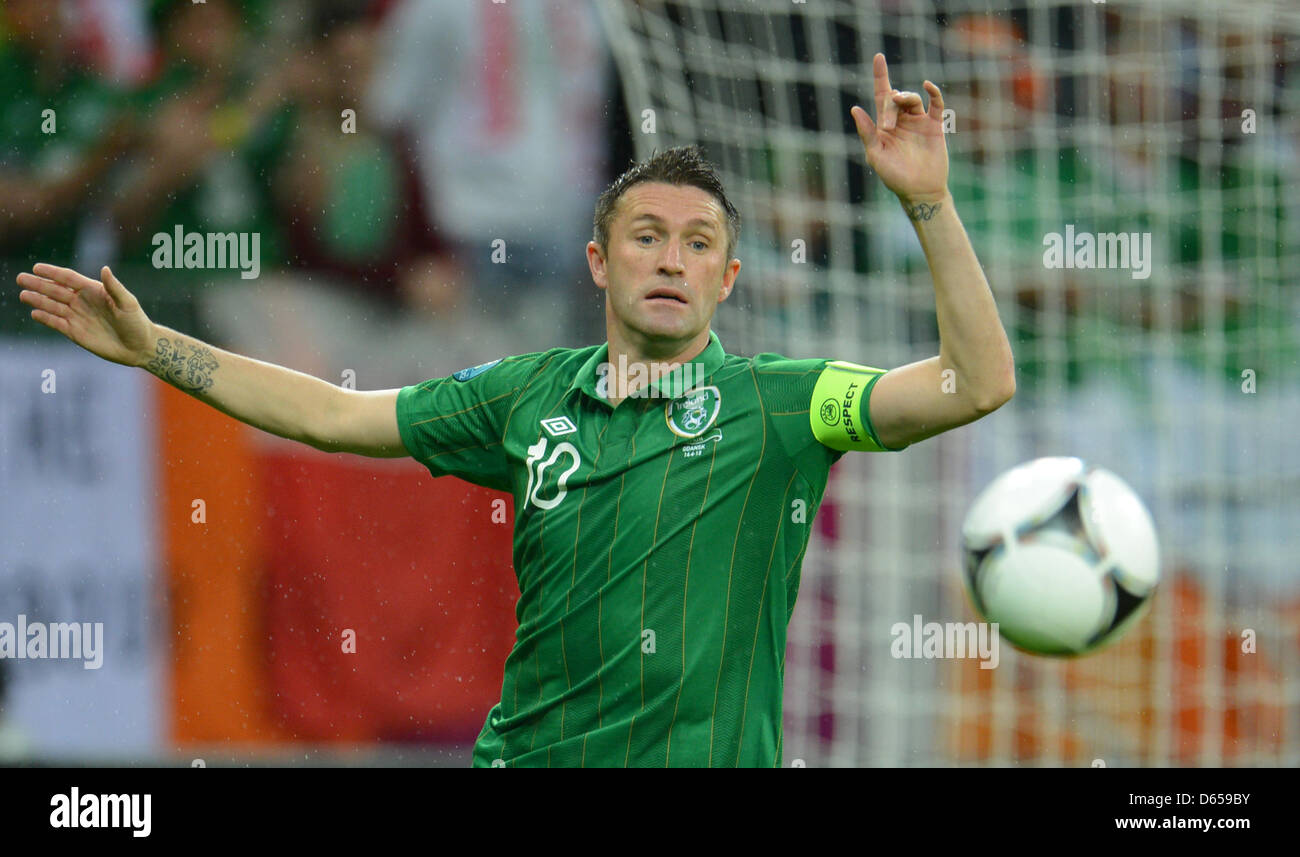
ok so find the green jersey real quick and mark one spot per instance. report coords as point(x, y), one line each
point(657, 544)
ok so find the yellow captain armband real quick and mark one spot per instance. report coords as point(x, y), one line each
point(838, 412)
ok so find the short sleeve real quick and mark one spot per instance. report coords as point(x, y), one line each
point(818, 408)
point(786, 389)
point(454, 426)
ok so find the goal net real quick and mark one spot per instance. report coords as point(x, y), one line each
point(1174, 364)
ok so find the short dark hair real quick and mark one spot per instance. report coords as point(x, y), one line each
point(681, 166)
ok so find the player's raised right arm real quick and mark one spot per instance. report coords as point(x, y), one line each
point(105, 319)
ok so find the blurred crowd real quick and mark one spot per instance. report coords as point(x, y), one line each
point(421, 173)
point(411, 167)
point(1173, 126)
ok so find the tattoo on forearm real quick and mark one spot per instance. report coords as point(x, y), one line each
point(922, 210)
point(186, 366)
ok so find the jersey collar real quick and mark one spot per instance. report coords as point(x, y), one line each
point(710, 360)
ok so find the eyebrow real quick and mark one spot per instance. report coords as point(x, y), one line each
point(697, 221)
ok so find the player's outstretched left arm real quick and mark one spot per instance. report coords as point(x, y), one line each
point(906, 148)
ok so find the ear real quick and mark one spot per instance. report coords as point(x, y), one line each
point(596, 262)
point(729, 279)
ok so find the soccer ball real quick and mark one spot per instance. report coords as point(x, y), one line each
point(1063, 556)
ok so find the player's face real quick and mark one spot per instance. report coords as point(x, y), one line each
point(667, 267)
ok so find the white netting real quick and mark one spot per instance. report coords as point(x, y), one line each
point(1127, 117)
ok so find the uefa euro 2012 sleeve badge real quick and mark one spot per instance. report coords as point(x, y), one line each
point(692, 414)
point(466, 374)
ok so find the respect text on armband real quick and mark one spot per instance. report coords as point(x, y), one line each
point(847, 410)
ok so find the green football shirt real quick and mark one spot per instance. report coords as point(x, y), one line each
point(657, 544)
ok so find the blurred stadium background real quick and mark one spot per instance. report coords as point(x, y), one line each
point(226, 565)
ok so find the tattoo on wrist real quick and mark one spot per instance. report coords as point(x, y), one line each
point(922, 210)
point(186, 366)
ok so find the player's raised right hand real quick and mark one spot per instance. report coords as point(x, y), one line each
point(99, 315)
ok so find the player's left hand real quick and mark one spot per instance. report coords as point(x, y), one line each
point(905, 146)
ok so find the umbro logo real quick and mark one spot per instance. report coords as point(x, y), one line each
point(559, 426)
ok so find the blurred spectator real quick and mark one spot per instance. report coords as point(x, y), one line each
point(61, 130)
point(115, 35)
point(503, 104)
point(349, 201)
point(219, 121)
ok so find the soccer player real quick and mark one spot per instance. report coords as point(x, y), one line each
point(655, 477)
